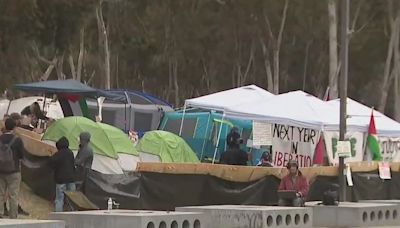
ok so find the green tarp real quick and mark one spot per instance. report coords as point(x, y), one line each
point(105, 139)
point(168, 146)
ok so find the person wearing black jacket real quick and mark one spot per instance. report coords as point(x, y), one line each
point(10, 178)
point(234, 155)
point(63, 165)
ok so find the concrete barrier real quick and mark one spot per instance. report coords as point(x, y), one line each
point(239, 216)
point(349, 214)
point(131, 218)
point(24, 223)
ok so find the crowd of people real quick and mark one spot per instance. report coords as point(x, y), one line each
point(68, 169)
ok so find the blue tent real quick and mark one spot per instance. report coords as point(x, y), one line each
point(200, 130)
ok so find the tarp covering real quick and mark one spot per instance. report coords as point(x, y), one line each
point(105, 140)
point(161, 191)
point(229, 98)
point(132, 97)
point(164, 191)
point(58, 86)
point(168, 146)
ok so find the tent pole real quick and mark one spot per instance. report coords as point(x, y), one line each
point(8, 108)
point(218, 138)
point(183, 117)
point(128, 101)
point(205, 136)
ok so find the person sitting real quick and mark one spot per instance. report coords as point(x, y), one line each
point(234, 155)
point(63, 165)
point(265, 160)
point(294, 181)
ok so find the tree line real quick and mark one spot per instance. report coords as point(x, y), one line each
point(177, 49)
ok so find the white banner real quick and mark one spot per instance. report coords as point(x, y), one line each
point(390, 149)
point(293, 143)
point(356, 142)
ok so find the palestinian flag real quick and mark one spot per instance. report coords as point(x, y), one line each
point(372, 140)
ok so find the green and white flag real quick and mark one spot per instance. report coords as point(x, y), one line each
point(372, 140)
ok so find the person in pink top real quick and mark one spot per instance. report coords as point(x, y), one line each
point(294, 181)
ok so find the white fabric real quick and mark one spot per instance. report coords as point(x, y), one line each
point(128, 162)
point(53, 109)
point(146, 157)
point(359, 116)
point(228, 98)
point(293, 108)
point(106, 165)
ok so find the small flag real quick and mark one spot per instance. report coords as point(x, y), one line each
point(319, 151)
point(372, 140)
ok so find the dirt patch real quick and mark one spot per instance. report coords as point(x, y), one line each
point(37, 207)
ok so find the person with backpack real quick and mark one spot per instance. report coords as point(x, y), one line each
point(11, 152)
point(63, 165)
point(234, 155)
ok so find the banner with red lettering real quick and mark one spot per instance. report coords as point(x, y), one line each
point(356, 142)
point(293, 143)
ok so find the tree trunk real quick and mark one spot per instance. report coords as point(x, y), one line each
point(333, 52)
point(59, 67)
point(106, 49)
point(267, 66)
point(276, 44)
point(387, 74)
point(72, 65)
point(80, 56)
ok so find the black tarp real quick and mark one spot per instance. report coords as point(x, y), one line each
point(162, 191)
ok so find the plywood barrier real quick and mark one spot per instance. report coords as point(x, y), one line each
point(37, 147)
point(22, 131)
point(231, 173)
point(251, 173)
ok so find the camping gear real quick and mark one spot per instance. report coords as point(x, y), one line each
point(114, 152)
point(167, 146)
point(105, 139)
point(129, 109)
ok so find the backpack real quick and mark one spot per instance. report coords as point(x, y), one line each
point(7, 163)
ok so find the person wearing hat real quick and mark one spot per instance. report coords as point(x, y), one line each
point(234, 155)
point(294, 181)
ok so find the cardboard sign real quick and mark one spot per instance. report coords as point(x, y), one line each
point(384, 171)
point(344, 149)
point(262, 135)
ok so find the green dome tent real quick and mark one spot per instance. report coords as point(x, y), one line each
point(105, 139)
point(114, 152)
point(167, 146)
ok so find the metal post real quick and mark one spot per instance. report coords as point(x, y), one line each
point(344, 55)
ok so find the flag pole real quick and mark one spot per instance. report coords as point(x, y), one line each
point(344, 49)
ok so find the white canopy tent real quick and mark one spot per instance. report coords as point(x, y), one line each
point(295, 108)
point(359, 118)
point(221, 101)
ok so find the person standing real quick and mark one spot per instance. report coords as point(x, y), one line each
point(63, 165)
point(11, 152)
point(84, 158)
point(294, 181)
point(234, 155)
